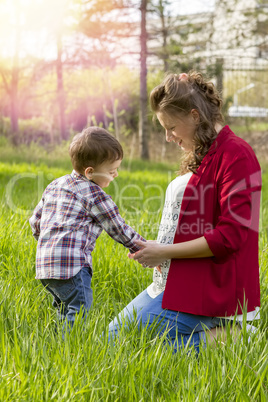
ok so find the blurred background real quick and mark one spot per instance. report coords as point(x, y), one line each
point(67, 64)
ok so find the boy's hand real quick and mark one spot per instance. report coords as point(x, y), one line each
point(150, 255)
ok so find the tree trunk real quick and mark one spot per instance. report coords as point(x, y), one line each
point(60, 91)
point(164, 35)
point(219, 74)
point(114, 103)
point(14, 102)
point(143, 118)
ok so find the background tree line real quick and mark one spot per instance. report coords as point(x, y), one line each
point(103, 56)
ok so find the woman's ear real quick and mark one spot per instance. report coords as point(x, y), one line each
point(89, 172)
point(195, 115)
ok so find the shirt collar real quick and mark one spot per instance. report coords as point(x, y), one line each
point(221, 137)
point(77, 175)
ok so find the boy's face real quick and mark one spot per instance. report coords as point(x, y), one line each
point(103, 174)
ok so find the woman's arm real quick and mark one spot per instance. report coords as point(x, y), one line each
point(153, 253)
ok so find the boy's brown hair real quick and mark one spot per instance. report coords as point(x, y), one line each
point(92, 147)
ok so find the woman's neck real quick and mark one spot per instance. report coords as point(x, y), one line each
point(218, 127)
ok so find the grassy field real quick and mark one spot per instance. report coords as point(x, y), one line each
point(36, 365)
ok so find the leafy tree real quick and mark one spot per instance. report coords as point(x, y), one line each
point(10, 73)
point(163, 26)
point(107, 23)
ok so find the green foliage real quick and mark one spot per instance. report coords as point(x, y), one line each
point(92, 96)
point(253, 126)
point(51, 155)
point(37, 365)
point(235, 81)
point(174, 48)
point(225, 106)
point(30, 130)
point(99, 92)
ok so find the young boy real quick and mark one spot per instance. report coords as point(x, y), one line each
point(70, 217)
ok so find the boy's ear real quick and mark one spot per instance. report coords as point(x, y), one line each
point(89, 171)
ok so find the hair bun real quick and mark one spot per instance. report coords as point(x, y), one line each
point(206, 87)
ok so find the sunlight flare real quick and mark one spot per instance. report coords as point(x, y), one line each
point(27, 26)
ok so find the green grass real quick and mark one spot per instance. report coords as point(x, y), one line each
point(252, 125)
point(36, 365)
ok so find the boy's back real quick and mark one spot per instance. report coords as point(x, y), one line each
point(68, 220)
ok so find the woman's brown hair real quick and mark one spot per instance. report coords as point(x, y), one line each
point(177, 97)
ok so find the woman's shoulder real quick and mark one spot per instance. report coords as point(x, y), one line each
point(230, 146)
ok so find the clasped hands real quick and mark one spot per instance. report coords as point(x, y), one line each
point(150, 255)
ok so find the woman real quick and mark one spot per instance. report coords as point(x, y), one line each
point(206, 253)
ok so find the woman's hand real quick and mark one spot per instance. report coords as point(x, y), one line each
point(151, 254)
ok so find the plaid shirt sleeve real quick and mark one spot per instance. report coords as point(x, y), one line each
point(105, 212)
point(35, 219)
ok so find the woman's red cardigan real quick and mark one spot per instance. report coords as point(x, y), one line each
point(222, 203)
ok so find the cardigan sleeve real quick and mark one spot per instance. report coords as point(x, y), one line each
point(238, 199)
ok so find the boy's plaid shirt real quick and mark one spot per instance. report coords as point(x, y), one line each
point(68, 220)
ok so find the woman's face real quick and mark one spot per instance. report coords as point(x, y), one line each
point(180, 130)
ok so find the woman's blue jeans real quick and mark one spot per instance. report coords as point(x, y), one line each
point(179, 328)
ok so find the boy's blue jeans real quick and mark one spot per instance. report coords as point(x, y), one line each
point(179, 328)
point(71, 295)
